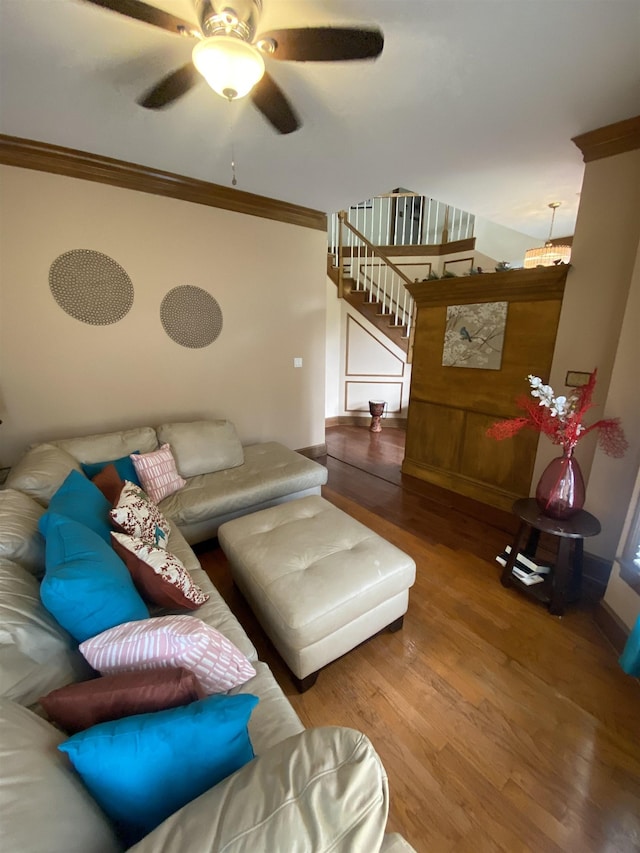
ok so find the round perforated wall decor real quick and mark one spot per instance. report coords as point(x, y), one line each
point(191, 316)
point(91, 287)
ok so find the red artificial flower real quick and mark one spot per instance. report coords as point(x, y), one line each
point(566, 428)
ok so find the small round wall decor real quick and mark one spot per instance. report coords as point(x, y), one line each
point(91, 287)
point(191, 316)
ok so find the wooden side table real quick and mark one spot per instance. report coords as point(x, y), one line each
point(566, 575)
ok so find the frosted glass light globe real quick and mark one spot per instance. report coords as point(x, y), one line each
point(230, 66)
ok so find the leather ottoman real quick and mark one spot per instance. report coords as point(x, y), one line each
point(319, 582)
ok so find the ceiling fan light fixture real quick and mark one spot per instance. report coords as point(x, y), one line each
point(230, 66)
point(550, 253)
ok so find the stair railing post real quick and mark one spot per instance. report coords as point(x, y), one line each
point(341, 216)
point(445, 227)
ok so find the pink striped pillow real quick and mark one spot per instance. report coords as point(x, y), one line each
point(157, 472)
point(170, 641)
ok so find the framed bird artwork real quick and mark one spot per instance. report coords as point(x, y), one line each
point(474, 335)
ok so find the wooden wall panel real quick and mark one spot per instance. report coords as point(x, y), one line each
point(450, 408)
point(528, 348)
point(506, 465)
point(434, 435)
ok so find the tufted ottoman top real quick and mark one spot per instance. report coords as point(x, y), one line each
point(312, 568)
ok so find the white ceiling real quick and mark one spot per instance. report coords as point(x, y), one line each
point(472, 102)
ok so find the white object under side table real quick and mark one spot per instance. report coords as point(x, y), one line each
point(319, 582)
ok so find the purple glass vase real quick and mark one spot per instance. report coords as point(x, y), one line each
point(560, 492)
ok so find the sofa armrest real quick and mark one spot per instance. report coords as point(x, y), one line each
point(324, 789)
point(41, 472)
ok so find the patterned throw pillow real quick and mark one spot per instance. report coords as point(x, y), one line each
point(158, 575)
point(138, 516)
point(163, 641)
point(157, 473)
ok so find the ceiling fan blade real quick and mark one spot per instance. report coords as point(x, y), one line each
point(324, 44)
point(269, 98)
point(148, 14)
point(170, 88)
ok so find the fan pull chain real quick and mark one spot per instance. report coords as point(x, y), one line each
point(234, 180)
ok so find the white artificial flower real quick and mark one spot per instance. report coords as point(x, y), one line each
point(561, 407)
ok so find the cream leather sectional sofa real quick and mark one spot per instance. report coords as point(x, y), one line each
point(224, 479)
point(320, 789)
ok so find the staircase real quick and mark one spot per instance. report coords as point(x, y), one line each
point(369, 281)
point(360, 267)
point(373, 309)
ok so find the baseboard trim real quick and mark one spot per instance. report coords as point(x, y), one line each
point(361, 420)
point(314, 451)
point(595, 575)
point(611, 626)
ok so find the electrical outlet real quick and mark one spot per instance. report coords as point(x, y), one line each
point(297, 362)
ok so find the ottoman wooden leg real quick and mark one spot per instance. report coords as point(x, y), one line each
point(304, 684)
point(396, 625)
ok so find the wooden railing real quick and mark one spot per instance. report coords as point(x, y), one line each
point(374, 273)
point(405, 219)
point(358, 242)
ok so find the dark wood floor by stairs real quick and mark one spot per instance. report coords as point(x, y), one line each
point(502, 728)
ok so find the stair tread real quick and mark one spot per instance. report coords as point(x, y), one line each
point(373, 309)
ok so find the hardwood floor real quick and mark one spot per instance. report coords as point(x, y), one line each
point(354, 454)
point(501, 728)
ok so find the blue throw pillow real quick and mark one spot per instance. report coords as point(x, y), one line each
point(86, 588)
point(124, 466)
point(142, 769)
point(81, 500)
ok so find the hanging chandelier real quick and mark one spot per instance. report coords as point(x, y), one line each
point(549, 254)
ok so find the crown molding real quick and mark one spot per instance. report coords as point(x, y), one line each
point(30, 154)
point(609, 140)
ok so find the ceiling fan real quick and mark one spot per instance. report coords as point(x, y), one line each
point(231, 58)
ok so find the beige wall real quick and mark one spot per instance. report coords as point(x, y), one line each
point(611, 481)
point(607, 482)
point(59, 376)
point(505, 244)
point(619, 596)
point(333, 405)
point(601, 287)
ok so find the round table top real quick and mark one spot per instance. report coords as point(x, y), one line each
point(579, 526)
